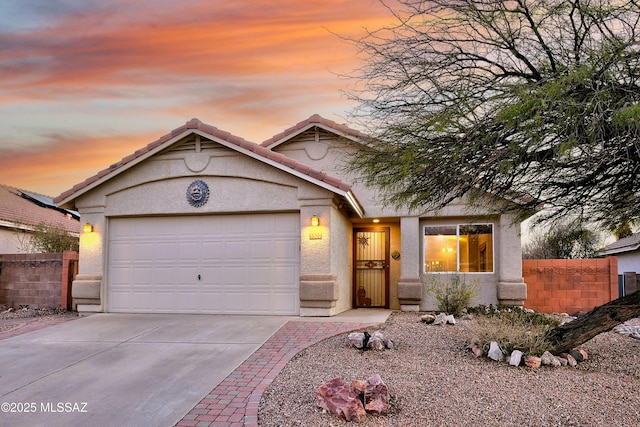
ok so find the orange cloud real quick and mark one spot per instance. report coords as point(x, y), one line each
point(250, 67)
point(64, 160)
point(210, 41)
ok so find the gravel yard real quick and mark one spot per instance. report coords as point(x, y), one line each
point(434, 380)
point(12, 321)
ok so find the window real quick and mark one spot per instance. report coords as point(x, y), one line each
point(466, 248)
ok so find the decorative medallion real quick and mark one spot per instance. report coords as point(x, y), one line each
point(363, 241)
point(198, 193)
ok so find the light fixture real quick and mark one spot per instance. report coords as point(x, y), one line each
point(315, 221)
point(376, 220)
point(87, 228)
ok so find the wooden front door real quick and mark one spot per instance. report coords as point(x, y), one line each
point(371, 267)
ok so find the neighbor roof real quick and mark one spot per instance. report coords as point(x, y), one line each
point(226, 139)
point(22, 209)
point(626, 244)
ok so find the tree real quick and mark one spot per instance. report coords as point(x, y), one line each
point(47, 238)
point(564, 240)
point(534, 101)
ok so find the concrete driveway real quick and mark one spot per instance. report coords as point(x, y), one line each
point(123, 369)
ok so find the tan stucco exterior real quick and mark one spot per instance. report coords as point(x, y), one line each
point(242, 182)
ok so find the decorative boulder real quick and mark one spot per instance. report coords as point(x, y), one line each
point(494, 352)
point(428, 318)
point(340, 399)
point(516, 358)
point(376, 396)
point(549, 359)
point(356, 339)
point(376, 341)
point(532, 361)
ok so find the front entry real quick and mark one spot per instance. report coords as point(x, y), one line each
point(371, 267)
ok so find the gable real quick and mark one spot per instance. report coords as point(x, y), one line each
point(198, 143)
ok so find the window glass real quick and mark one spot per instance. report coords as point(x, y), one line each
point(458, 248)
point(440, 248)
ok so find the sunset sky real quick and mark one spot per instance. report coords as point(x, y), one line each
point(84, 83)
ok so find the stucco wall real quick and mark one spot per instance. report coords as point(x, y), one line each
point(629, 261)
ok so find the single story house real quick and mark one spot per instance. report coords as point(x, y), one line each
point(202, 221)
point(627, 250)
point(21, 211)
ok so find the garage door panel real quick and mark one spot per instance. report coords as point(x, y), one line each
point(248, 264)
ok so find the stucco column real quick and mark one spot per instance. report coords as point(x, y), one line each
point(410, 285)
point(318, 285)
point(511, 287)
point(86, 289)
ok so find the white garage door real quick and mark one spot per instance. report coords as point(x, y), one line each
point(236, 264)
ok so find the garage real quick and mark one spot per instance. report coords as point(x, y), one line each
point(209, 264)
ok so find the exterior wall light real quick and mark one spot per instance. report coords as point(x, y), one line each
point(87, 228)
point(376, 220)
point(315, 221)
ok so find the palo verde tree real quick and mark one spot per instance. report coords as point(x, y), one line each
point(535, 101)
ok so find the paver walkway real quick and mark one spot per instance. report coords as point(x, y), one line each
point(234, 402)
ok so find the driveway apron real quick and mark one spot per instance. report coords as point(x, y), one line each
point(123, 369)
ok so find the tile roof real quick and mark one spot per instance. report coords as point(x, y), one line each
point(239, 144)
point(314, 120)
point(626, 244)
point(17, 210)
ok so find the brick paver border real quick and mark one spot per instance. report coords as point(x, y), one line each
point(235, 401)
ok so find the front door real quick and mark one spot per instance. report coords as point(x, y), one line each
point(371, 267)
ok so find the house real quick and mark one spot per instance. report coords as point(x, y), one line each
point(627, 250)
point(202, 221)
point(21, 211)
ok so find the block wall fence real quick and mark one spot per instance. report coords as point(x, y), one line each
point(570, 285)
point(37, 280)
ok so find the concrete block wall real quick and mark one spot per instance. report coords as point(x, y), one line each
point(37, 280)
point(571, 285)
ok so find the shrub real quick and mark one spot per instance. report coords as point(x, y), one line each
point(454, 294)
point(513, 329)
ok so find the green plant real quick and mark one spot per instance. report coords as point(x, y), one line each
point(513, 329)
point(48, 238)
point(453, 295)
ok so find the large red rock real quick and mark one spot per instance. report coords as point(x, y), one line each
point(376, 396)
point(340, 399)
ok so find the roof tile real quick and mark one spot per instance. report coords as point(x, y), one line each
point(17, 210)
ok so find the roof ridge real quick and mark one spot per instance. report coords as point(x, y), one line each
point(313, 119)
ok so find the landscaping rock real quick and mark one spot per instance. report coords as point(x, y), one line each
point(571, 361)
point(584, 354)
point(428, 318)
point(341, 400)
point(562, 360)
point(376, 396)
point(532, 361)
point(494, 352)
point(576, 355)
point(477, 351)
point(440, 319)
point(356, 339)
point(376, 341)
point(516, 358)
point(549, 359)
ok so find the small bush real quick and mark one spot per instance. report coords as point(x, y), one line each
point(454, 295)
point(513, 329)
